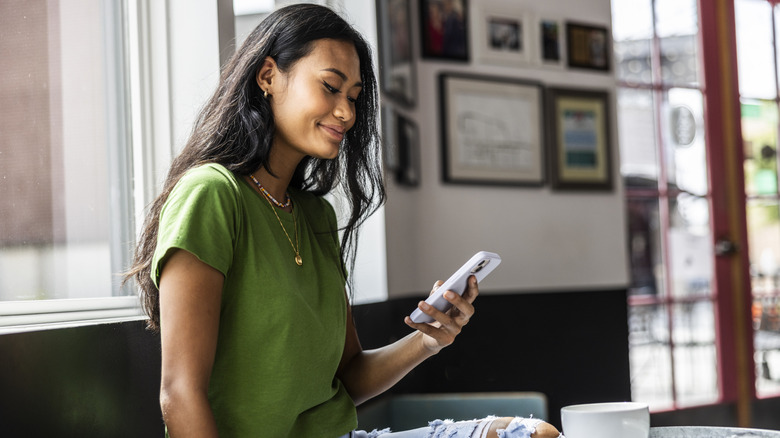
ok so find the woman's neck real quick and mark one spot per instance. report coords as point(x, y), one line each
point(277, 184)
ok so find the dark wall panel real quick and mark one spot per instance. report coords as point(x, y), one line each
point(103, 380)
point(90, 381)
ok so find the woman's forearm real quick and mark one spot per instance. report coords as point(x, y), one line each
point(369, 373)
point(372, 372)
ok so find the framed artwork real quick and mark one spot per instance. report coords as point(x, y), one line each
point(550, 41)
point(587, 46)
point(580, 152)
point(400, 140)
point(444, 29)
point(502, 36)
point(492, 130)
point(396, 65)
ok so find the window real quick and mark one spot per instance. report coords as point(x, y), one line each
point(672, 345)
point(757, 44)
point(66, 228)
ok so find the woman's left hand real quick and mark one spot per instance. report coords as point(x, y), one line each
point(448, 325)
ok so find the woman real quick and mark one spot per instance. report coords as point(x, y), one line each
point(240, 264)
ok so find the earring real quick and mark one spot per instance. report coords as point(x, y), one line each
point(265, 94)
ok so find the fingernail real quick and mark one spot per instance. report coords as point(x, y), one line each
point(424, 305)
point(449, 295)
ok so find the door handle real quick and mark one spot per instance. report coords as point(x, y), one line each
point(725, 247)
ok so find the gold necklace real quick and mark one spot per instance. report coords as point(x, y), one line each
point(295, 247)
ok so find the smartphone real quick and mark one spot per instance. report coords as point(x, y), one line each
point(480, 265)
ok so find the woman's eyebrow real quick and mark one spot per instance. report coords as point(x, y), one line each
point(342, 75)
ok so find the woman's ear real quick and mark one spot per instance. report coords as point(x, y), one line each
point(266, 75)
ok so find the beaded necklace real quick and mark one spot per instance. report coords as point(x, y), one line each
point(269, 196)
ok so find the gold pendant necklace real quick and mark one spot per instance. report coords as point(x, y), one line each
point(295, 247)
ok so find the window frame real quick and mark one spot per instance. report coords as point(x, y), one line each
point(142, 126)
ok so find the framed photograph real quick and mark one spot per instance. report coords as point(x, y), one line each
point(550, 41)
point(444, 29)
point(400, 140)
point(587, 46)
point(396, 66)
point(580, 152)
point(502, 36)
point(492, 130)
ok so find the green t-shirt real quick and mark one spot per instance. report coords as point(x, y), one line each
point(282, 326)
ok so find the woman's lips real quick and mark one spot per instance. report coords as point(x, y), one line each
point(335, 132)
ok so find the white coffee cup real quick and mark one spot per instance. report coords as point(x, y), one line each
point(606, 420)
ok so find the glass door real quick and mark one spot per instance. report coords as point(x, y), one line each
point(757, 25)
point(661, 123)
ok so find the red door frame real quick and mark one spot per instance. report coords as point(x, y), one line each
point(729, 220)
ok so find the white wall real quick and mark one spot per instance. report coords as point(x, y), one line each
point(548, 240)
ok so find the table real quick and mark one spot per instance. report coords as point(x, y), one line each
point(711, 432)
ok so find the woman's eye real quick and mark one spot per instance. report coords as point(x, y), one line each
point(352, 99)
point(331, 88)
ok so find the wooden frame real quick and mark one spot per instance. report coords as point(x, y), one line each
point(444, 30)
point(396, 61)
point(580, 152)
point(587, 46)
point(491, 130)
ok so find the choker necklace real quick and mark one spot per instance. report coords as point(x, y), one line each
point(287, 202)
point(296, 247)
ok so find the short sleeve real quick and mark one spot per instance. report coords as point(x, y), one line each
point(201, 216)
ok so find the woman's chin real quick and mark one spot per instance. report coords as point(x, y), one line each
point(327, 154)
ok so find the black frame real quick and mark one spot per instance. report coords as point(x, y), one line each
point(453, 52)
point(397, 77)
point(588, 46)
point(550, 49)
point(401, 146)
point(604, 181)
point(491, 177)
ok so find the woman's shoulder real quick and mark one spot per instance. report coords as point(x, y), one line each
point(207, 178)
point(211, 181)
point(210, 173)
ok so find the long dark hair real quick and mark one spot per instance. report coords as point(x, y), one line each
point(236, 128)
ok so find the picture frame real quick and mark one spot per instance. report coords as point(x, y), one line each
point(407, 137)
point(492, 130)
point(580, 139)
point(389, 143)
point(401, 147)
point(550, 41)
point(397, 77)
point(502, 36)
point(587, 46)
point(444, 29)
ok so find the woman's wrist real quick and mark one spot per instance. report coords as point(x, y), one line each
point(426, 344)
